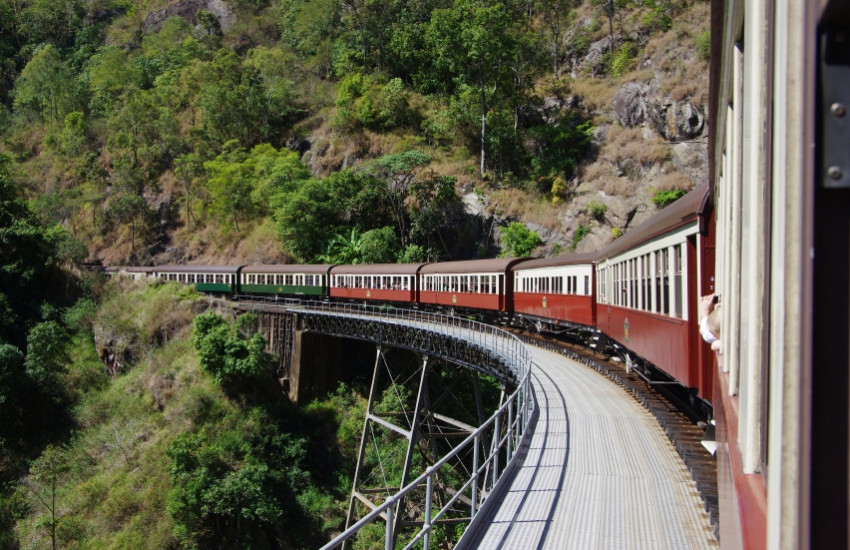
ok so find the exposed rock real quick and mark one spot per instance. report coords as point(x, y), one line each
point(630, 104)
point(299, 145)
point(594, 62)
point(692, 160)
point(188, 10)
point(554, 106)
point(677, 121)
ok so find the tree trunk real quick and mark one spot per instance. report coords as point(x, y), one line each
point(483, 127)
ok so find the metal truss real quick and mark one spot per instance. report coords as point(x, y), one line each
point(408, 423)
point(433, 343)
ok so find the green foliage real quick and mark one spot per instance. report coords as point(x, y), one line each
point(380, 246)
point(658, 15)
point(235, 361)
point(518, 241)
point(308, 218)
point(28, 274)
point(622, 60)
point(664, 198)
point(232, 485)
point(616, 232)
point(702, 42)
point(46, 356)
point(581, 233)
point(559, 148)
point(596, 209)
point(44, 483)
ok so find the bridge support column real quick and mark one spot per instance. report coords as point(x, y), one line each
point(403, 422)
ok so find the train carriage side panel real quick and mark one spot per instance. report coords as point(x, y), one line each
point(646, 296)
point(559, 289)
point(214, 279)
point(376, 282)
point(286, 279)
point(474, 284)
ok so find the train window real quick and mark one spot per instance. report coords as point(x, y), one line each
point(677, 278)
point(664, 282)
point(586, 285)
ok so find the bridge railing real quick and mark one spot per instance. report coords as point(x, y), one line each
point(505, 430)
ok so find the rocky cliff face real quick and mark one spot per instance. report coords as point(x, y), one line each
point(188, 10)
point(651, 134)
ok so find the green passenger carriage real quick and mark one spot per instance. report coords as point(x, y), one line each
point(216, 279)
point(289, 279)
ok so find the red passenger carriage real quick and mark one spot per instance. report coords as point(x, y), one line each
point(475, 284)
point(378, 282)
point(557, 290)
point(648, 286)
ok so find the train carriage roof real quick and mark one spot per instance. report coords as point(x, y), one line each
point(287, 268)
point(571, 259)
point(129, 269)
point(689, 209)
point(197, 268)
point(376, 269)
point(496, 265)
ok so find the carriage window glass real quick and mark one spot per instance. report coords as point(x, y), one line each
point(664, 284)
point(677, 277)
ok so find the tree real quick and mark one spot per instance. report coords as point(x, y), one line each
point(344, 249)
point(399, 171)
point(379, 246)
point(43, 483)
point(43, 85)
point(475, 41)
point(235, 487)
point(27, 262)
point(230, 184)
point(47, 357)
point(555, 17)
point(12, 376)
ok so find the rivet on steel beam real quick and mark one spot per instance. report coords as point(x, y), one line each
point(834, 172)
point(838, 109)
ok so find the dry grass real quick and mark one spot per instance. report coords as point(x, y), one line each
point(674, 180)
point(517, 204)
point(598, 93)
point(629, 144)
point(617, 186)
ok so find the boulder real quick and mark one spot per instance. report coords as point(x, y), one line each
point(677, 121)
point(630, 105)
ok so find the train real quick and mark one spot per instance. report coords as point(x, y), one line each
point(769, 232)
point(635, 299)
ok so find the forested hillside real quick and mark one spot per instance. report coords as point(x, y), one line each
point(243, 131)
point(324, 130)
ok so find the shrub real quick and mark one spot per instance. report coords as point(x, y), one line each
point(622, 60)
point(581, 232)
point(234, 360)
point(703, 44)
point(596, 209)
point(663, 198)
point(518, 241)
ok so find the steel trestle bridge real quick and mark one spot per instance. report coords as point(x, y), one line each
point(479, 482)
